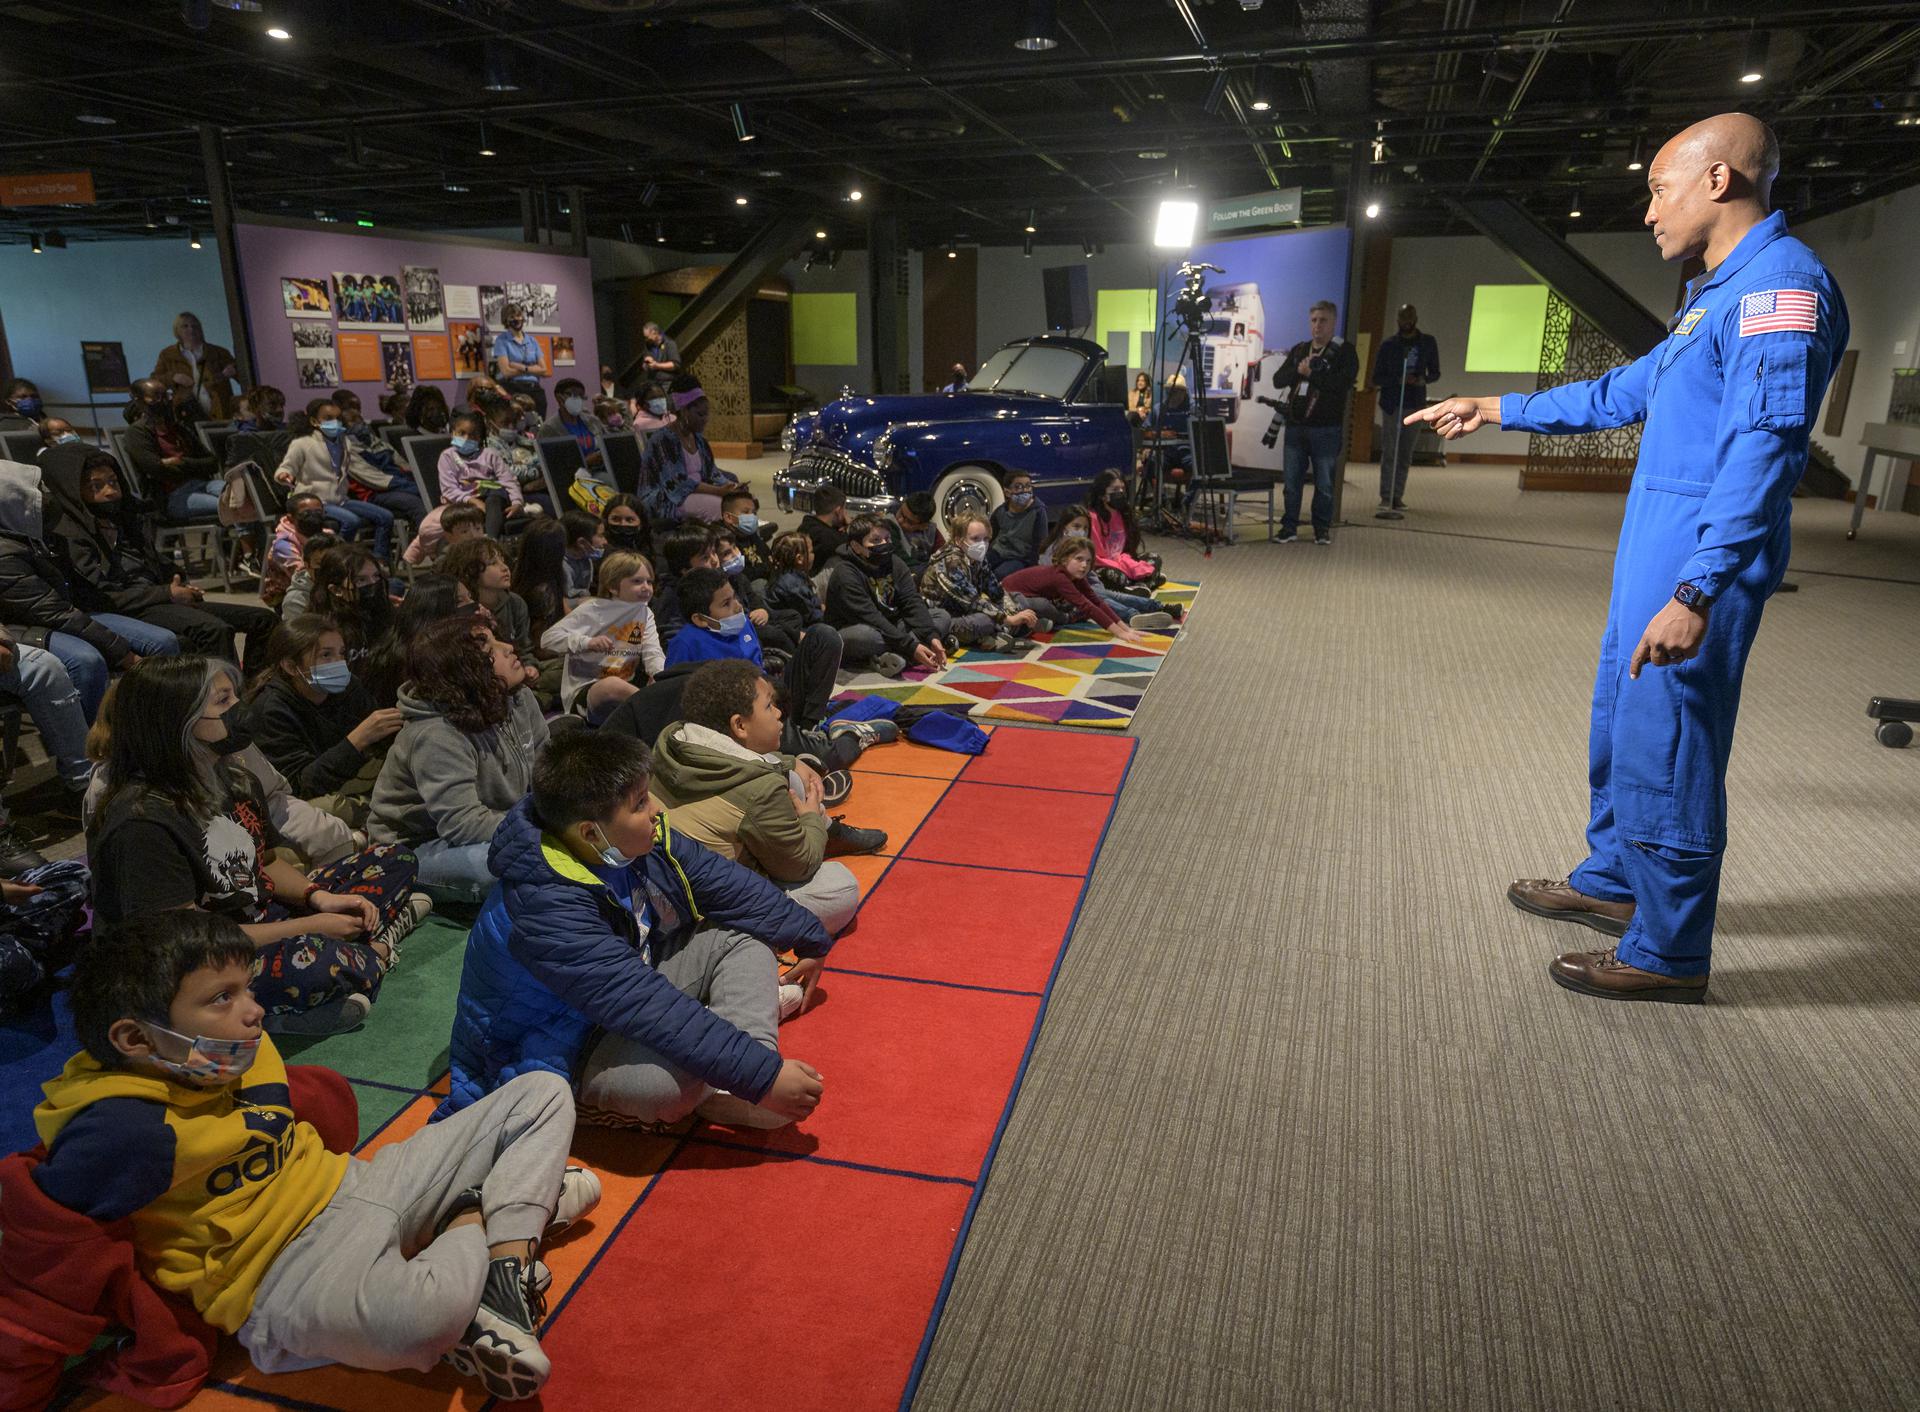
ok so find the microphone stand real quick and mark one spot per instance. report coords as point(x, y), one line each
point(1387, 512)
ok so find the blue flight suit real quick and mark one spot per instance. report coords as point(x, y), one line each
point(1728, 399)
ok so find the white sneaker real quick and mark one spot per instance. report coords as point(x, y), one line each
point(1150, 622)
point(792, 997)
point(579, 1194)
point(500, 1347)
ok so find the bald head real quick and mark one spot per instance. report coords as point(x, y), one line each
point(1710, 184)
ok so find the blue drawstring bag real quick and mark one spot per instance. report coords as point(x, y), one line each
point(946, 731)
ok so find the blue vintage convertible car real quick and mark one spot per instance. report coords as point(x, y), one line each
point(1029, 409)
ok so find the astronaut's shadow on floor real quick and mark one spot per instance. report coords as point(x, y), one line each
point(1832, 950)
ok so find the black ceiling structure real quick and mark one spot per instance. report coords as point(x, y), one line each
point(665, 114)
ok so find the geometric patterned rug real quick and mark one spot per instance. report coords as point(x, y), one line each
point(1077, 676)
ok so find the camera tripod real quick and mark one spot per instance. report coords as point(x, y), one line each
point(1190, 308)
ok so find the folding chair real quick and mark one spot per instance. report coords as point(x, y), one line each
point(21, 446)
point(626, 460)
point(560, 461)
point(422, 451)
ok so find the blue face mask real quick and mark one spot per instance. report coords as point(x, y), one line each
point(66, 438)
point(466, 446)
point(27, 406)
point(576, 405)
point(749, 523)
point(730, 626)
point(613, 857)
point(331, 677)
point(733, 563)
point(330, 427)
point(657, 406)
point(1022, 498)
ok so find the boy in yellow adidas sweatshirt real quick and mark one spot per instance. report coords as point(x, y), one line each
point(176, 1116)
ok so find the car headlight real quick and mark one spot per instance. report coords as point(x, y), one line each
point(788, 437)
point(883, 449)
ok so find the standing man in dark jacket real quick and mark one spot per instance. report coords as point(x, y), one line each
point(873, 600)
point(1316, 377)
point(1407, 363)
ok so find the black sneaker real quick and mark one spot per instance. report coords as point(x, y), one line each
point(1323, 539)
point(15, 857)
point(848, 839)
point(868, 733)
point(337, 1016)
point(1286, 537)
point(500, 1347)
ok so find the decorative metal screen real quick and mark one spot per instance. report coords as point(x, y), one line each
point(1573, 350)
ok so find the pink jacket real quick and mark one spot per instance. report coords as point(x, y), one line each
point(459, 476)
point(1109, 535)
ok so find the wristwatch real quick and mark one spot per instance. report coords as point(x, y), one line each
point(1690, 596)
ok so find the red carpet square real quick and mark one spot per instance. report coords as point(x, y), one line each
point(979, 823)
point(1055, 759)
point(745, 1282)
point(1010, 945)
point(916, 1075)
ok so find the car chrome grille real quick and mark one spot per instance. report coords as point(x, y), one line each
point(817, 463)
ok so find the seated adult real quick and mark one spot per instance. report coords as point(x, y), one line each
point(623, 956)
point(21, 409)
point(324, 462)
point(169, 459)
point(574, 418)
point(180, 826)
point(205, 371)
point(683, 481)
point(721, 773)
point(112, 567)
point(462, 759)
point(518, 361)
point(35, 605)
point(874, 602)
point(57, 431)
point(316, 724)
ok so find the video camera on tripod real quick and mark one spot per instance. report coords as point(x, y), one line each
point(1192, 305)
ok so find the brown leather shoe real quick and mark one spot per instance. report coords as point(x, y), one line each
point(1558, 900)
point(1604, 974)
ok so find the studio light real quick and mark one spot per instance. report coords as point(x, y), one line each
point(1373, 210)
point(1754, 67)
point(486, 147)
point(952, 254)
point(1637, 159)
point(1261, 100)
point(819, 235)
point(1032, 214)
point(1173, 229)
point(742, 129)
point(1573, 207)
point(496, 68)
point(1039, 31)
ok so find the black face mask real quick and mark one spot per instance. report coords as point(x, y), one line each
point(310, 523)
point(881, 558)
point(370, 597)
point(435, 421)
point(624, 536)
point(238, 737)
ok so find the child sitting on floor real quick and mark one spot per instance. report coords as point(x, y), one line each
point(792, 589)
point(626, 958)
point(957, 579)
point(717, 622)
point(175, 1118)
point(480, 566)
point(720, 771)
point(444, 527)
point(1119, 557)
point(1076, 522)
point(1019, 528)
point(611, 644)
point(1066, 582)
point(584, 545)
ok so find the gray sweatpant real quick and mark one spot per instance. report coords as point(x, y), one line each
point(367, 1284)
point(732, 974)
point(832, 894)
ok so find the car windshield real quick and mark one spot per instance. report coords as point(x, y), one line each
point(1035, 370)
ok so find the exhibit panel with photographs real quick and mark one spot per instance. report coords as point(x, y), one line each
point(304, 298)
point(539, 302)
point(425, 299)
point(368, 301)
point(396, 360)
point(563, 351)
point(309, 336)
point(469, 347)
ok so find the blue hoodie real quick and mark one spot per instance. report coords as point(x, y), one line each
point(694, 643)
point(557, 956)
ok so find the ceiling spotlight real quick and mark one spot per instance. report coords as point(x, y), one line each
point(1754, 67)
point(496, 68)
point(1086, 248)
point(819, 235)
point(151, 223)
point(34, 241)
point(952, 254)
point(742, 129)
point(1261, 100)
point(1032, 213)
point(659, 232)
point(1637, 159)
point(1216, 94)
point(278, 33)
point(96, 119)
point(456, 188)
point(854, 195)
point(1026, 247)
point(739, 200)
point(1573, 207)
point(1373, 210)
point(1039, 30)
point(193, 239)
point(486, 147)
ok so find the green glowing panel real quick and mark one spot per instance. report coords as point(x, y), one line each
point(1508, 322)
point(826, 329)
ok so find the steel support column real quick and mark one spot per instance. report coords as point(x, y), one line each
point(213, 154)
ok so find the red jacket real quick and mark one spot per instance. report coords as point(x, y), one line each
point(65, 1279)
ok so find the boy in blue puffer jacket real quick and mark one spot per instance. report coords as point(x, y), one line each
point(628, 959)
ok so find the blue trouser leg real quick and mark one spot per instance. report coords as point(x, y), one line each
point(147, 639)
point(1675, 891)
point(86, 669)
point(1128, 604)
point(1293, 461)
point(1323, 446)
point(1604, 874)
point(37, 676)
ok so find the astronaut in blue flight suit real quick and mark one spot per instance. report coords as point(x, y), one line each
point(1728, 400)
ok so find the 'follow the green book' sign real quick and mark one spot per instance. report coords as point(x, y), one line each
point(1264, 208)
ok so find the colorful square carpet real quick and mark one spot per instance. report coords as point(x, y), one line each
point(1078, 676)
point(802, 1270)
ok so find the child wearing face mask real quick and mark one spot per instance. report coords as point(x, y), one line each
point(984, 613)
point(1019, 528)
point(1117, 548)
point(585, 546)
point(717, 623)
point(472, 472)
point(316, 723)
point(182, 825)
point(178, 1120)
point(573, 417)
point(287, 555)
point(624, 522)
point(652, 410)
point(612, 645)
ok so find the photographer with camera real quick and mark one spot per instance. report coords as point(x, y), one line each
point(1315, 378)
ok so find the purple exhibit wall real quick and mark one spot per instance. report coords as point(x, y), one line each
point(268, 250)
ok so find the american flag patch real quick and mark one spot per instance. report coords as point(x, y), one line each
point(1779, 311)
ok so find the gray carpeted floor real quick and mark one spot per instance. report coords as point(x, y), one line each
point(1307, 1125)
